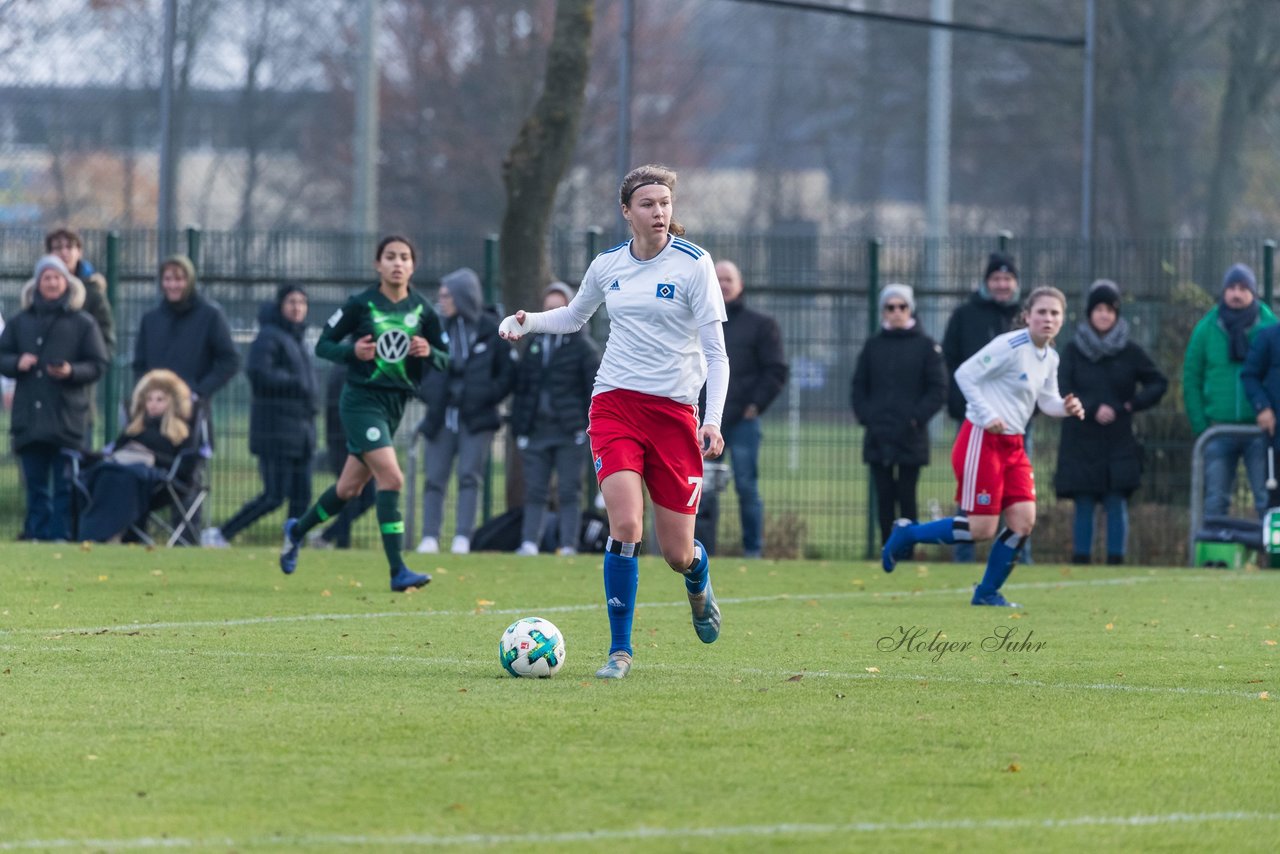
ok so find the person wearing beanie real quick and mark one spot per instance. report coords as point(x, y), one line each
point(1099, 457)
point(1212, 391)
point(1260, 378)
point(55, 352)
point(462, 408)
point(758, 371)
point(899, 384)
point(388, 336)
point(189, 335)
point(990, 311)
point(282, 414)
point(549, 407)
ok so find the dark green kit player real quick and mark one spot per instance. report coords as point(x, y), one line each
point(386, 336)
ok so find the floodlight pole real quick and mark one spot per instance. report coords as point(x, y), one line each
point(1086, 158)
point(364, 192)
point(168, 172)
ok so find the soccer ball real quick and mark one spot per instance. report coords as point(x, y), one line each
point(533, 647)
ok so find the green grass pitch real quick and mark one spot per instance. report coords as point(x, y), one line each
point(200, 700)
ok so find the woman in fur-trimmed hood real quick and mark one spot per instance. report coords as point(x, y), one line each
point(55, 352)
point(120, 487)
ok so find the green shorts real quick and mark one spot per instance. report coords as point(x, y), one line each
point(370, 417)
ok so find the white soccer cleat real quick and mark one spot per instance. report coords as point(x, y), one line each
point(566, 551)
point(211, 538)
point(527, 549)
point(461, 545)
point(428, 546)
point(617, 667)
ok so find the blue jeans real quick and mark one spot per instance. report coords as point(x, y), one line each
point(1117, 507)
point(1222, 454)
point(742, 440)
point(44, 468)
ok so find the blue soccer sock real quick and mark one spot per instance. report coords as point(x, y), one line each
point(1004, 553)
point(695, 577)
point(621, 579)
point(948, 530)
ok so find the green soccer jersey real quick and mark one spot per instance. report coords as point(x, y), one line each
point(391, 325)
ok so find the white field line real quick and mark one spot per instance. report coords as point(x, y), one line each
point(781, 830)
point(563, 609)
point(861, 676)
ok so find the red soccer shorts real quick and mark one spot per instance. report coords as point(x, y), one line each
point(992, 471)
point(655, 436)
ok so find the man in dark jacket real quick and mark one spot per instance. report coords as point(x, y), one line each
point(462, 407)
point(55, 352)
point(757, 372)
point(189, 335)
point(989, 311)
point(282, 414)
point(549, 420)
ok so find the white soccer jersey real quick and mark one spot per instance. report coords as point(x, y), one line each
point(1007, 378)
point(655, 310)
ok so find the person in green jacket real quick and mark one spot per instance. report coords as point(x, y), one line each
point(1213, 393)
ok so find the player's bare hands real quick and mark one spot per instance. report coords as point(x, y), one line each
point(1267, 421)
point(711, 442)
point(513, 327)
point(366, 349)
point(419, 346)
point(1106, 415)
point(1074, 407)
point(996, 425)
point(27, 361)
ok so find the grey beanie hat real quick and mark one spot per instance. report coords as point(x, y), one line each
point(52, 262)
point(897, 289)
point(559, 287)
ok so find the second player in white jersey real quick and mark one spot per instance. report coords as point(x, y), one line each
point(1007, 379)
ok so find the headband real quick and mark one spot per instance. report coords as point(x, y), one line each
point(643, 184)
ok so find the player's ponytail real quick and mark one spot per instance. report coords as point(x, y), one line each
point(643, 176)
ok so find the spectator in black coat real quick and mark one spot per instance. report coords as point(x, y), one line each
point(549, 420)
point(757, 373)
point(1099, 458)
point(66, 244)
point(1260, 377)
point(899, 384)
point(121, 485)
point(188, 335)
point(56, 353)
point(282, 414)
point(989, 311)
point(462, 407)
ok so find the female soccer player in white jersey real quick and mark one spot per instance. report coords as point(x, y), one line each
point(665, 341)
point(1002, 384)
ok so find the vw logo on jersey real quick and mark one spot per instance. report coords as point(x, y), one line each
point(372, 434)
point(393, 345)
point(666, 290)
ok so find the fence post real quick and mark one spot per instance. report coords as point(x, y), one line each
point(1002, 241)
point(193, 245)
point(873, 296)
point(490, 282)
point(110, 393)
point(1268, 270)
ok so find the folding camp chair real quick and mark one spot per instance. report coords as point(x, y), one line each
point(182, 492)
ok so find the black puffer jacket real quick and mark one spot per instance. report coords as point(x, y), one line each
point(898, 385)
point(282, 416)
point(567, 377)
point(1095, 459)
point(971, 328)
point(481, 364)
point(46, 410)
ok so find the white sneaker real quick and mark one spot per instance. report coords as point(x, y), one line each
point(566, 551)
point(461, 545)
point(428, 546)
point(527, 549)
point(316, 540)
point(211, 538)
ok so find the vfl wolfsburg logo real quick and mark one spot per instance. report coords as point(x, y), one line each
point(393, 345)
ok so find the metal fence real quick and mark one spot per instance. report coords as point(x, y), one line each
point(820, 289)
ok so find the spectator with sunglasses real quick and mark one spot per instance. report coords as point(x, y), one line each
point(899, 384)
